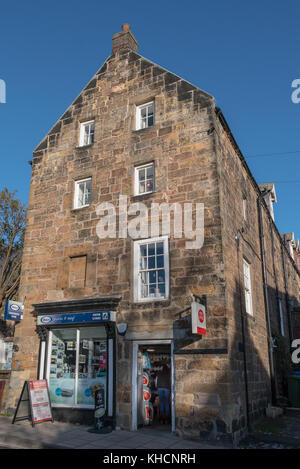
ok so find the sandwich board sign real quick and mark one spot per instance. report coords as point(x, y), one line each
point(34, 403)
point(198, 318)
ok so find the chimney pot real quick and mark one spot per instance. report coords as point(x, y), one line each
point(125, 27)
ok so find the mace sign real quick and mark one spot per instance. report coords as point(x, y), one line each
point(13, 310)
point(198, 318)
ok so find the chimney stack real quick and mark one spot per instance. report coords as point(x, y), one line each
point(124, 40)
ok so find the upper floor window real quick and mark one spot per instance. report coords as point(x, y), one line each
point(144, 179)
point(245, 209)
point(247, 287)
point(87, 130)
point(145, 115)
point(82, 196)
point(151, 269)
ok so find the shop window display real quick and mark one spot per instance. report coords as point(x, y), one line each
point(78, 366)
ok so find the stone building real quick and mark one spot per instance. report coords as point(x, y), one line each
point(97, 309)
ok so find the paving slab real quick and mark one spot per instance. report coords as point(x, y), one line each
point(59, 435)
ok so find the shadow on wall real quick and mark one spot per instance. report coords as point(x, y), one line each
point(222, 390)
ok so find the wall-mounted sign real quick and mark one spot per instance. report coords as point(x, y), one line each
point(34, 403)
point(75, 318)
point(13, 310)
point(198, 318)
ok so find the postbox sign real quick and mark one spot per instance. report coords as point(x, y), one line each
point(198, 318)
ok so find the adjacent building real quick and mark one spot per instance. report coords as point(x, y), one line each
point(99, 311)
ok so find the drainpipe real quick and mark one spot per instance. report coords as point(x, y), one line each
point(275, 274)
point(266, 296)
point(283, 244)
point(237, 238)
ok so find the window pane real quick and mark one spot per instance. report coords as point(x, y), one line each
point(150, 121)
point(143, 112)
point(151, 262)
point(151, 249)
point(161, 276)
point(152, 277)
point(150, 109)
point(142, 174)
point(92, 365)
point(80, 201)
point(144, 292)
point(88, 190)
point(160, 261)
point(149, 171)
point(162, 289)
point(159, 248)
point(63, 367)
point(149, 186)
point(142, 187)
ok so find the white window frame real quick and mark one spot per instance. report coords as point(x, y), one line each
point(138, 115)
point(76, 193)
point(82, 133)
point(137, 272)
point(247, 287)
point(244, 208)
point(137, 169)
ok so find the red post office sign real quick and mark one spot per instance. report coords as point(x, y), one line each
point(198, 318)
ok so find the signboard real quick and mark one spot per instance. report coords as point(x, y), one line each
point(34, 403)
point(76, 318)
point(198, 318)
point(13, 310)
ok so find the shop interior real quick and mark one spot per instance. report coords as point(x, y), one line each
point(154, 386)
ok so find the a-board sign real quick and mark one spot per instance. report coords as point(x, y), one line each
point(34, 403)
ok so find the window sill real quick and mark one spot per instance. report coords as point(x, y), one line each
point(84, 147)
point(75, 210)
point(152, 300)
point(152, 127)
point(144, 196)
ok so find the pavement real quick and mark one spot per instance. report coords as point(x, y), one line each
point(59, 435)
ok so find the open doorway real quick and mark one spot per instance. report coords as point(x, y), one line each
point(153, 396)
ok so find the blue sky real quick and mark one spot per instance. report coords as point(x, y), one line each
point(245, 54)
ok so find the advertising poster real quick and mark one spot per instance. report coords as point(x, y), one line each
point(40, 403)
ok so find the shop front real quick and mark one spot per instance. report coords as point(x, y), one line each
point(77, 356)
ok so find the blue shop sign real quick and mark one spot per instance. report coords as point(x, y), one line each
point(76, 318)
point(13, 310)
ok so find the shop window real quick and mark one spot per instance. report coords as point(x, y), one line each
point(77, 272)
point(77, 365)
point(151, 269)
